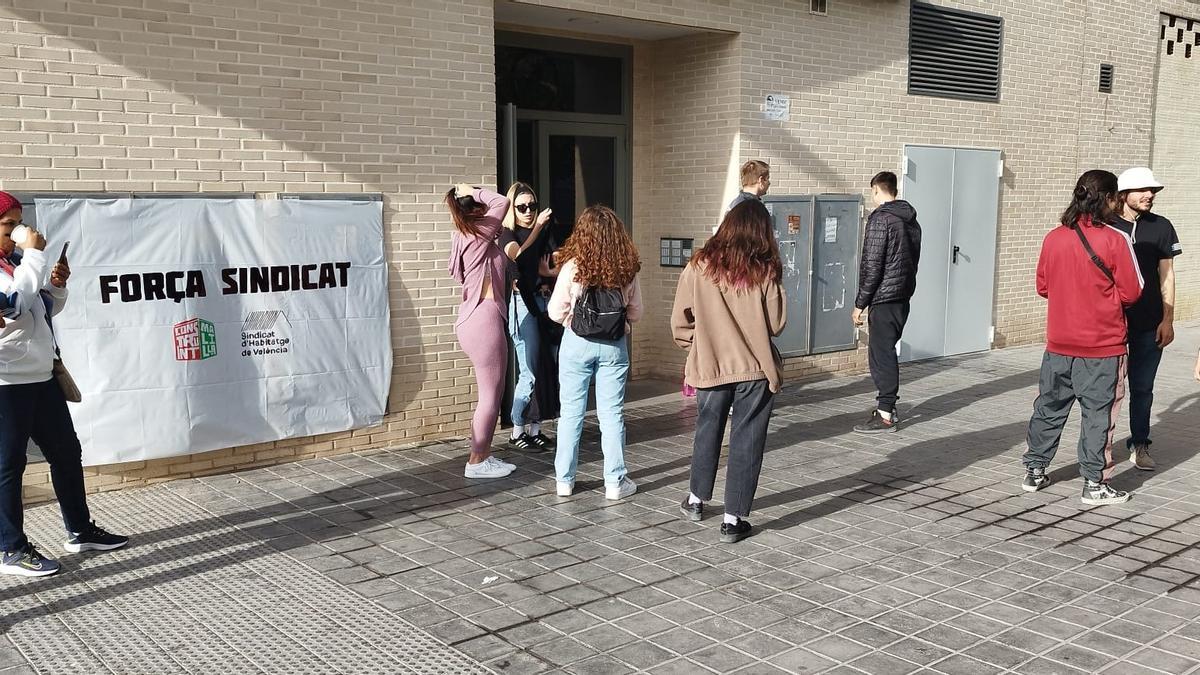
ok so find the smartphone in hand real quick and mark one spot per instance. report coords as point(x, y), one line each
point(62, 257)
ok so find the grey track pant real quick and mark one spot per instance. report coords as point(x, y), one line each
point(1099, 385)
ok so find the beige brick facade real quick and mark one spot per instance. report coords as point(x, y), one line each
point(398, 98)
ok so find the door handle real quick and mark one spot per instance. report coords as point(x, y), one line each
point(954, 259)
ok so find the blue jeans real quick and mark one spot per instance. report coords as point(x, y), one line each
point(579, 360)
point(523, 327)
point(1144, 357)
point(38, 411)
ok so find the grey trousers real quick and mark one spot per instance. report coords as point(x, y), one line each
point(752, 403)
point(1099, 386)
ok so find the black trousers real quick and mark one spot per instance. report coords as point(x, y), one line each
point(885, 325)
point(38, 411)
point(752, 403)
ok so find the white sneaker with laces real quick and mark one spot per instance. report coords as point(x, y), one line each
point(565, 488)
point(621, 490)
point(489, 468)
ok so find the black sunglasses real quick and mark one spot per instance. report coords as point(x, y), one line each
point(526, 208)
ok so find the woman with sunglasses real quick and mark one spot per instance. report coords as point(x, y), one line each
point(527, 306)
point(477, 261)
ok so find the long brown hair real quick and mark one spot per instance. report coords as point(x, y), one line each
point(604, 254)
point(743, 253)
point(465, 211)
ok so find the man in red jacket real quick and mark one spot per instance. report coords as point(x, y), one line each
point(1088, 273)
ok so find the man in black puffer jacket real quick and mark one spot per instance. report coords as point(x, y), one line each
point(887, 278)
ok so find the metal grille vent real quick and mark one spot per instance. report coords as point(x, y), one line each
point(954, 53)
point(1106, 78)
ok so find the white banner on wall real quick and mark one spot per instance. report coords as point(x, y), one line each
point(198, 323)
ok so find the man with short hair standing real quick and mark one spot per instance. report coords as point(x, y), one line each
point(887, 279)
point(756, 180)
point(1151, 319)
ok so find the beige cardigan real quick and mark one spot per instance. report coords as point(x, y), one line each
point(728, 332)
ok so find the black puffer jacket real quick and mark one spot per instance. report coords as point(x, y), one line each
point(891, 251)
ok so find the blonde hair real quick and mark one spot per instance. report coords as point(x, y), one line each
point(516, 190)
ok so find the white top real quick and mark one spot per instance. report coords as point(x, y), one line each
point(26, 343)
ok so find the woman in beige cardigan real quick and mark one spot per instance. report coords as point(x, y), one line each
point(728, 306)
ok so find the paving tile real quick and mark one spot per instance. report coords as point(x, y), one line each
point(883, 556)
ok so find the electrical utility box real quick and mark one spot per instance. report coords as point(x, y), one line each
point(819, 241)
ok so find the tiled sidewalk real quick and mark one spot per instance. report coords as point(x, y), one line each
point(891, 554)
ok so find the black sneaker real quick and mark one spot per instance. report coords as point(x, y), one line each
point(878, 425)
point(542, 442)
point(1035, 479)
point(692, 511)
point(1099, 494)
point(731, 534)
point(94, 538)
point(27, 563)
point(523, 443)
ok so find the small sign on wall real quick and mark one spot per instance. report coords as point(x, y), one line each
point(778, 107)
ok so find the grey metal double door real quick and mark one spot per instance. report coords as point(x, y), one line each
point(956, 193)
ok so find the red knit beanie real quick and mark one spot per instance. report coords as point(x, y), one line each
point(8, 202)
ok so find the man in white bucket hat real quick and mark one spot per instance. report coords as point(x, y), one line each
point(1151, 319)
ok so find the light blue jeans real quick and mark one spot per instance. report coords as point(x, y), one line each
point(579, 360)
point(523, 327)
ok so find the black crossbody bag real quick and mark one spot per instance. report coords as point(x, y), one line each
point(1095, 258)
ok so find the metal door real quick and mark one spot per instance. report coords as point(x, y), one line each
point(928, 177)
point(835, 272)
point(580, 165)
point(972, 278)
point(793, 229)
point(956, 194)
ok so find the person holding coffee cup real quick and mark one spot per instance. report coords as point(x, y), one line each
point(32, 403)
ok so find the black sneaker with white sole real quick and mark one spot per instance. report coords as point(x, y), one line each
point(542, 442)
point(94, 538)
point(1100, 494)
point(877, 424)
point(522, 443)
point(731, 534)
point(1035, 479)
point(27, 562)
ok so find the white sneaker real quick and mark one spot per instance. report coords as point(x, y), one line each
point(621, 490)
point(565, 488)
point(502, 462)
point(489, 468)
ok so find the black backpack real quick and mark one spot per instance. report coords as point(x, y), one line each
point(600, 313)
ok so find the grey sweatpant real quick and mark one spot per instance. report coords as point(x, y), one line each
point(1099, 386)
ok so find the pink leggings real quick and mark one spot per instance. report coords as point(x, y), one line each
point(483, 336)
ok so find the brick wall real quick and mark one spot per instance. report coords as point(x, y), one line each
point(1175, 148)
point(263, 96)
point(398, 98)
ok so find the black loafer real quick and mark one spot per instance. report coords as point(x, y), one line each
point(691, 511)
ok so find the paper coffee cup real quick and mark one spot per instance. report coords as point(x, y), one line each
point(20, 234)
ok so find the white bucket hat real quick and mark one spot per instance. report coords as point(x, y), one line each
point(1138, 178)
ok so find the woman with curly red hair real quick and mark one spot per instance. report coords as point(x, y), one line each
point(596, 298)
point(728, 306)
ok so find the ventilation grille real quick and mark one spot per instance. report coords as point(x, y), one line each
point(818, 7)
point(953, 53)
point(1180, 35)
point(1106, 78)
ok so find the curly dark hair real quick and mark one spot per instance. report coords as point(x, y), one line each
point(743, 253)
point(1093, 197)
point(603, 252)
